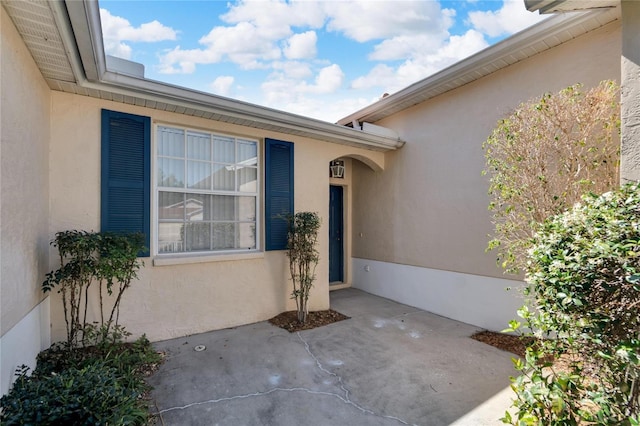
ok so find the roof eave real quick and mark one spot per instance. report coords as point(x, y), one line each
point(555, 6)
point(448, 77)
point(80, 27)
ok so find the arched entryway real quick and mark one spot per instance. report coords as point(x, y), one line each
point(340, 216)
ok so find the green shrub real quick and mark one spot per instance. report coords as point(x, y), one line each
point(107, 259)
point(91, 385)
point(303, 257)
point(583, 277)
point(92, 395)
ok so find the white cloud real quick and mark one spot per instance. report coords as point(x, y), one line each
point(276, 14)
point(293, 69)
point(509, 19)
point(222, 85)
point(365, 20)
point(261, 32)
point(328, 80)
point(301, 46)
point(251, 41)
point(422, 64)
point(117, 30)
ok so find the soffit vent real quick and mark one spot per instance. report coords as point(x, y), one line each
point(35, 23)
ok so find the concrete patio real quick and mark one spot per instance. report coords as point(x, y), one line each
point(390, 364)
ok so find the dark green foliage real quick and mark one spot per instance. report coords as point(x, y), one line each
point(89, 386)
point(303, 257)
point(584, 279)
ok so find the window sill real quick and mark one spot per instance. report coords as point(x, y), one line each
point(206, 258)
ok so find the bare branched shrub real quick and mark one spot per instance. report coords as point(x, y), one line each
point(303, 257)
point(544, 156)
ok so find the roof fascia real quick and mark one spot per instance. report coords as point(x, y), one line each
point(84, 17)
point(555, 6)
point(187, 98)
point(541, 5)
point(80, 28)
point(444, 78)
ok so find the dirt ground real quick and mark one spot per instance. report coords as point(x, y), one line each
point(289, 321)
point(506, 342)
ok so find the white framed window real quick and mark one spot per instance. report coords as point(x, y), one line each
point(206, 192)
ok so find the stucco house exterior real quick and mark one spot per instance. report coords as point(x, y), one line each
point(89, 143)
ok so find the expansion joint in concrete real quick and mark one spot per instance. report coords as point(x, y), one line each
point(252, 395)
point(346, 399)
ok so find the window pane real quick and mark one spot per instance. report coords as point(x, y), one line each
point(246, 208)
point(192, 161)
point(170, 173)
point(246, 235)
point(170, 238)
point(198, 146)
point(197, 236)
point(198, 175)
point(224, 177)
point(170, 142)
point(198, 207)
point(171, 206)
point(224, 207)
point(224, 149)
point(224, 236)
point(247, 153)
point(248, 179)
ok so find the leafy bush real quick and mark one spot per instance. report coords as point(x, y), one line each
point(91, 395)
point(583, 277)
point(92, 385)
point(85, 257)
point(303, 257)
point(544, 156)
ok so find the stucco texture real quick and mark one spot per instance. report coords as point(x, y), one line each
point(176, 300)
point(630, 93)
point(429, 206)
point(24, 165)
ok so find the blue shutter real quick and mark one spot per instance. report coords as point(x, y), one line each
point(278, 192)
point(126, 174)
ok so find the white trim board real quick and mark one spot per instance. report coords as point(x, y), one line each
point(473, 299)
point(23, 342)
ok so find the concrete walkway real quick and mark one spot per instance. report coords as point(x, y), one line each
point(390, 364)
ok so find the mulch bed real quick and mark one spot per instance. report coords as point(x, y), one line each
point(289, 320)
point(506, 342)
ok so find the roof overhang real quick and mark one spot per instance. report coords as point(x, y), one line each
point(71, 58)
point(554, 6)
point(545, 35)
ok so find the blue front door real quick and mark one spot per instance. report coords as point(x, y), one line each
point(336, 240)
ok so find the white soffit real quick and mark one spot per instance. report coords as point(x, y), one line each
point(35, 23)
point(536, 39)
point(553, 6)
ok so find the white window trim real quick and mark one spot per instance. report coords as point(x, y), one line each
point(162, 259)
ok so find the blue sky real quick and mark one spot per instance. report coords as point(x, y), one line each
point(322, 59)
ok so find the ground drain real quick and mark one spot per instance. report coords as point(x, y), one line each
point(199, 348)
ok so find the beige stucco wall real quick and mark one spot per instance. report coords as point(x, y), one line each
point(24, 152)
point(176, 300)
point(630, 93)
point(429, 206)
